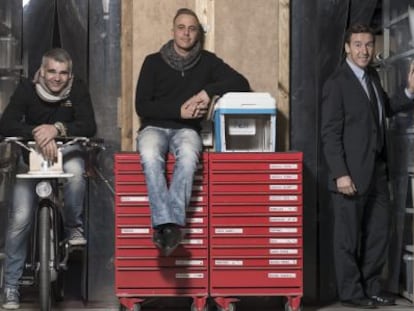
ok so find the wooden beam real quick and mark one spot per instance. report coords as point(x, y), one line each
point(283, 93)
point(126, 104)
point(205, 12)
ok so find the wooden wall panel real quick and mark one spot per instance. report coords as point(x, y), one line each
point(251, 36)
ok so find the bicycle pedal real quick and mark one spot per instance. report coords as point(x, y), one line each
point(27, 281)
point(73, 248)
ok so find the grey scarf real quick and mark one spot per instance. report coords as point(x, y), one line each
point(176, 61)
point(45, 94)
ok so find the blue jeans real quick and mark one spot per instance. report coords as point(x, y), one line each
point(168, 203)
point(21, 214)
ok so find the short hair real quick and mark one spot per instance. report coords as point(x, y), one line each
point(358, 28)
point(187, 11)
point(58, 54)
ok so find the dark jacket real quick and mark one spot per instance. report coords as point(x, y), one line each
point(348, 128)
point(26, 111)
point(161, 90)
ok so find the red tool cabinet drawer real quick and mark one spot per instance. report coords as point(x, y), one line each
point(251, 251)
point(255, 220)
point(241, 231)
point(154, 253)
point(256, 241)
point(247, 263)
point(253, 188)
point(162, 262)
point(135, 166)
point(174, 278)
point(139, 177)
point(129, 177)
point(146, 242)
point(135, 231)
point(251, 278)
point(279, 157)
point(131, 162)
point(245, 198)
point(224, 209)
point(256, 166)
point(142, 199)
point(256, 177)
point(133, 209)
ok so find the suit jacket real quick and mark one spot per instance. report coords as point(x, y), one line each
point(348, 128)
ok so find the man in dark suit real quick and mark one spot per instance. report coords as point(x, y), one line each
point(354, 108)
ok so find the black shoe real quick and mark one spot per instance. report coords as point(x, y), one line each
point(157, 239)
point(362, 303)
point(172, 236)
point(383, 300)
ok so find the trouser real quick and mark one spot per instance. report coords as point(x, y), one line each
point(361, 238)
point(168, 202)
point(21, 214)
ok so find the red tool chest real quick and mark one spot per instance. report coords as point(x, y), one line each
point(140, 270)
point(255, 219)
point(244, 235)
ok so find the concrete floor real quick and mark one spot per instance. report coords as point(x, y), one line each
point(178, 304)
point(73, 302)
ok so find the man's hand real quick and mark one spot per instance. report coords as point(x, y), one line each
point(346, 186)
point(196, 106)
point(202, 99)
point(43, 134)
point(50, 151)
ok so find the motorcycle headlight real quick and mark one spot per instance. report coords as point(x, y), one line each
point(44, 189)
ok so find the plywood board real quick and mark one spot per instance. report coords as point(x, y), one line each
point(251, 36)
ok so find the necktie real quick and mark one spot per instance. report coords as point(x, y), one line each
point(372, 96)
point(374, 105)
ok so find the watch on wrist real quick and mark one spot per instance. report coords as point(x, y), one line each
point(60, 128)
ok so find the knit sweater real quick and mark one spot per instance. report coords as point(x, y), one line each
point(161, 90)
point(26, 110)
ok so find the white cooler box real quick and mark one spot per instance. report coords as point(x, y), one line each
point(245, 121)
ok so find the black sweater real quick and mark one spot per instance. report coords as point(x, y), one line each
point(26, 111)
point(161, 90)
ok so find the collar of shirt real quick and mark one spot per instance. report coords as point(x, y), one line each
point(359, 72)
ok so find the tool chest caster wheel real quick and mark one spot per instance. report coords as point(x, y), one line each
point(288, 307)
point(194, 307)
point(232, 307)
point(136, 307)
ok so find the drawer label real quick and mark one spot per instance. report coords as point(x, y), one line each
point(198, 188)
point(282, 262)
point(283, 241)
point(281, 275)
point(189, 275)
point(283, 251)
point(195, 220)
point(286, 166)
point(228, 262)
point(196, 199)
point(228, 230)
point(189, 263)
point(283, 187)
point(283, 219)
point(192, 241)
point(283, 197)
point(194, 209)
point(283, 208)
point(193, 230)
point(135, 230)
point(134, 199)
point(283, 230)
point(283, 176)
